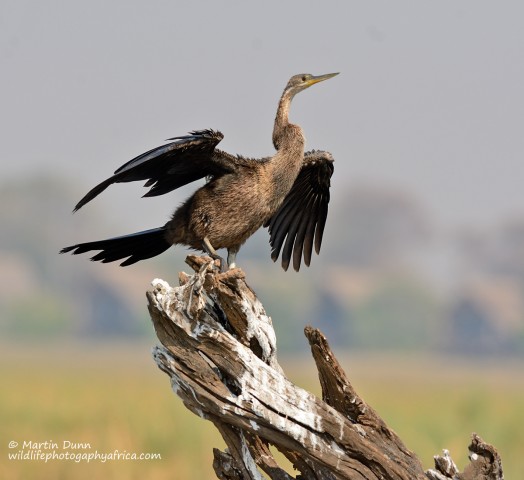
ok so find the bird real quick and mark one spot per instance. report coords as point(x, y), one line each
point(287, 193)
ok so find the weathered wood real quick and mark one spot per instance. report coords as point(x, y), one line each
point(485, 464)
point(219, 349)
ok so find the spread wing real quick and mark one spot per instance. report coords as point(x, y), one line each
point(301, 218)
point(186, 159)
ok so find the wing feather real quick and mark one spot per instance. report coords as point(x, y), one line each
point(291, 228)
point(322, 217)
point(279, 231)
point(301, 232)
point(309, 237)
point(299, 223)
point(302, 242)
point(168, 167)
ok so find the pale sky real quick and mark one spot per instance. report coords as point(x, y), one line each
point(430, 96)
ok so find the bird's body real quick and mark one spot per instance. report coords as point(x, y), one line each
point(216, 211)
point(287, 192)
point(219, 208)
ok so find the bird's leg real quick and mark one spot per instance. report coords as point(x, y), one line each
point(213, 253)
point(231, 257)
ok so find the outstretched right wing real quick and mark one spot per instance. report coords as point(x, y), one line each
point(188, 158)
point(299, 222)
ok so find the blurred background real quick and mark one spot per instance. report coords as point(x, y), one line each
point(420, 282)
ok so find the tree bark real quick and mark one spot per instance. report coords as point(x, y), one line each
point(219, 350)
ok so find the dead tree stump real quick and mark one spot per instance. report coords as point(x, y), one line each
point(219, 350)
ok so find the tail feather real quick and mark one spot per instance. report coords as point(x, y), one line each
point(134, 247)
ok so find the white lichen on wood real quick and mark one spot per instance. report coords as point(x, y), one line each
point(219, 349)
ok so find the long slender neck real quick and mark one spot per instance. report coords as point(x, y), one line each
point(281, 119)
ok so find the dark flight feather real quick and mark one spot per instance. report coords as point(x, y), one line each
point(168, 167)
point(301, 218)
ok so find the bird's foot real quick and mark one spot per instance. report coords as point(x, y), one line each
point(208, 248)
point(223, 266)
point(218, 264)
point(197, 261)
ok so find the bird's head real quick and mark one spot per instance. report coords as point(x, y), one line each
point(300, 82)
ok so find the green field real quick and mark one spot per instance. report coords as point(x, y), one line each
point(114, 398)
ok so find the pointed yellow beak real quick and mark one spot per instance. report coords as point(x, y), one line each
point(320, 78)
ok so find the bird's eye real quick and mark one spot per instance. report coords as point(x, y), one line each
point(303, 78)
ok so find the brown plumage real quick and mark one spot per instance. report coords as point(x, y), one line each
point(288, 193)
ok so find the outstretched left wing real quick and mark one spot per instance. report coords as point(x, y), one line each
point(168, 167)
point(301, 218)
